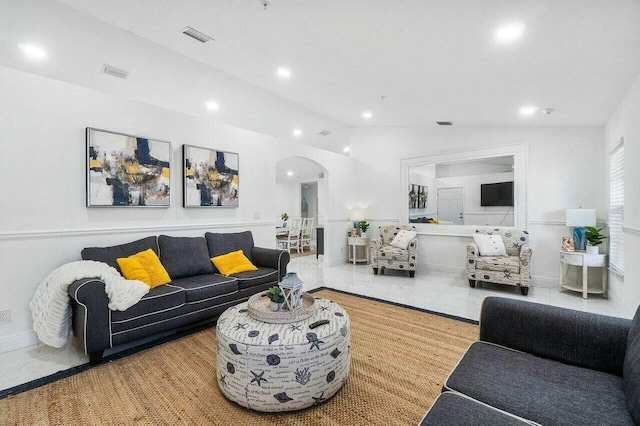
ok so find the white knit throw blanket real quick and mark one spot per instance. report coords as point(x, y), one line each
point(51, 308)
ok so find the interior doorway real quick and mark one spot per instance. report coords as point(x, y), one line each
point(450, 206)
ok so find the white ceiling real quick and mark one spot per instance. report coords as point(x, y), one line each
point(433, 60)
point(304, 170)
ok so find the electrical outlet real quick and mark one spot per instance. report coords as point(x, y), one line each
point(5, 315)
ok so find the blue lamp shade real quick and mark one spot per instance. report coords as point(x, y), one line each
point(578, 219)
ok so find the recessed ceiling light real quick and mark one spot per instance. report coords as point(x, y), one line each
point(367, 114)
point(212, 105)
point(528, 110)
point(510, 32)
point(283, 72)
point(297, 132)
point(33, 51)
point(346, 149)
point(289, 173)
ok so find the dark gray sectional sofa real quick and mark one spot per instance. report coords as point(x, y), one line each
point(539, 364)
point(196, 292)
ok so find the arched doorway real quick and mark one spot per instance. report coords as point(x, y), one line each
point(301, 192)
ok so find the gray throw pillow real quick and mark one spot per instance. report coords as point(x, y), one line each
point(184, 256)
point(220, 244)
point(109, 255)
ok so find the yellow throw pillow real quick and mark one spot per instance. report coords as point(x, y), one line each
point(233, 263)
point(149, 262)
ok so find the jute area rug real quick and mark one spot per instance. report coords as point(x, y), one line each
point(400, 358)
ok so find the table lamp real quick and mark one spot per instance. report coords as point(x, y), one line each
point(578, 219)
point(356, 216)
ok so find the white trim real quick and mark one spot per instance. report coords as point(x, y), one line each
point(183, 315)
point(631, 230)
point(383, 219)
point(599, 222)
point(336, 219)
point(48, 233)
point(19, 340)
point(150, 313)
point(520, 152)
point(254, 278)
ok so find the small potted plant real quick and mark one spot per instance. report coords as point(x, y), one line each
point(277, 298)
point(364, 225)
point(285, 217)
point(595, 238)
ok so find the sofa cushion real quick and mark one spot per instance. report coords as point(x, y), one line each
point(631, 368)
point(454, 409)
point(499, 263)
point(219, 244)
point(159, 299)
point(261, 276)
point(393, 253)
point(209, 286)
point(109, 255)
point(184, 256)
point(538, 389)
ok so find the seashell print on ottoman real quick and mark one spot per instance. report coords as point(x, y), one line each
point(299, 368)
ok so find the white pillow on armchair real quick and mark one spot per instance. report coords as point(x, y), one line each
point(490, 245)
point(403, 238)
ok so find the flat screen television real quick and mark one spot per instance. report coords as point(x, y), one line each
point(496, 194)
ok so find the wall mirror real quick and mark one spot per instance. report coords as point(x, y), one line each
point(457, 192)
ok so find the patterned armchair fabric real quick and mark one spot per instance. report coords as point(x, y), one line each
point(513, 269)
point(384, 256)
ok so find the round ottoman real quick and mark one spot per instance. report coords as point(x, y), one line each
point(283, 367)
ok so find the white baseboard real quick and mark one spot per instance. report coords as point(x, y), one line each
point(441, 268)
point(18, 341)
point(548, 282)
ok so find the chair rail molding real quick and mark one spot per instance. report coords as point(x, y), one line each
point(50, 233)
point(631, 230)
point(520, 153)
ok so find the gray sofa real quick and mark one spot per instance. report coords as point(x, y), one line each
point(196, 292)
point(539, 364)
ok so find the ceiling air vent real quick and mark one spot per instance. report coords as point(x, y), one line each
point(324, 133)
point(195, 34)
point(444, 123)
point(115, 72)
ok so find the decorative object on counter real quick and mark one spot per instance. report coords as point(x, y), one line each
point(355, 216)
point(285, 217)
point(578, 219)
point(211, 177)
point(259, 306)
point(353, 232)
point(567, 244)
point(291, 287)
point(277, 298)
point(127, 171)
point(595, 238)
point(364, 225)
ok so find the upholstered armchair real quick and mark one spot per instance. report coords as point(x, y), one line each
point(385, 256)
point(512, 269)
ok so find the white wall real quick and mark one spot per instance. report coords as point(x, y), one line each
point(287, 199)
point(625, 123)
point(43, 219)
point(565, 171)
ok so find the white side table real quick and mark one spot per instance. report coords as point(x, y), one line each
point(581, 258)
point(354, 243)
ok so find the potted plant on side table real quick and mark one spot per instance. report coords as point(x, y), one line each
point(277, 298)
point(594, 238)
point(364, 225)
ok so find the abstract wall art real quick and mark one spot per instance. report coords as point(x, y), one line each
point(211, 177)
point(127, 171)
point(418, 195)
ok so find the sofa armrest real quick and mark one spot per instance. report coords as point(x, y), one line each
point(413, 251)
point(270, 258)
point(90, 319)
point(573, 337)
point(525, 264)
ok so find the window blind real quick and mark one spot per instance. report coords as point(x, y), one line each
point(616, 210)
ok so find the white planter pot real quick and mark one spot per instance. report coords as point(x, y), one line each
point(274, 306)
point(593, 250)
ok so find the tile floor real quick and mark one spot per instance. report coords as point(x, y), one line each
point(436, 291)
